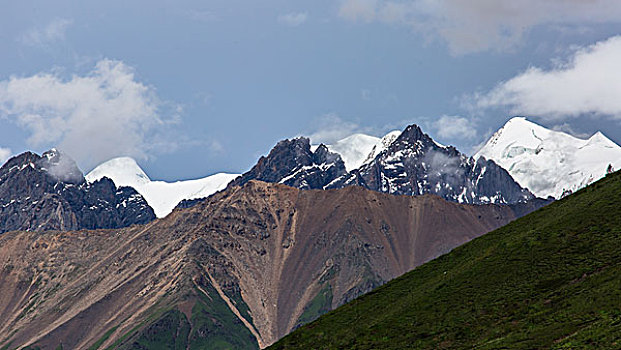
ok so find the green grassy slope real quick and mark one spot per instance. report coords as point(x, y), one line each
point(549, 280)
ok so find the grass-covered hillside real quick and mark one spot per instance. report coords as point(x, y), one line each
point(551, 279)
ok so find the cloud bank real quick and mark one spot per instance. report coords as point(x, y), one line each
point(588, 83)
point(478, 25)
point(95, 117)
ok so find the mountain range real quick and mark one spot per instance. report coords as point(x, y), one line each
point(240, 269)
point(407, 162)
point(245, 259)
point(410, 164)
point(540, 163)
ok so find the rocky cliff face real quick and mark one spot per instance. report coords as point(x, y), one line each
point(242, 268)
point(48, 192)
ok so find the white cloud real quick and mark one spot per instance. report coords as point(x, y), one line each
point(52, 32)
point(293, 19)
point(330, 128)
point(588, 83)
point(95, 117)
point(455, 127)
point(476, 25)
point(5, 154)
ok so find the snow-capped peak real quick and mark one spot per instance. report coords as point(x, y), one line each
point(359, 149)
point(600, 139)
point(124, 171)
point(549, 162)
point(162, 196)
point(354, 149)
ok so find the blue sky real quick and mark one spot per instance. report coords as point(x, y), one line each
point(191, 88)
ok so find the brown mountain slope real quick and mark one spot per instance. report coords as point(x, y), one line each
point(250, 262)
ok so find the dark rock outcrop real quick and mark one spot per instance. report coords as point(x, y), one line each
point(293, 163)
point(48, 192)
point(189, 203)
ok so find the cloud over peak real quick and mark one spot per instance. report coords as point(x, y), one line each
point(100, 115)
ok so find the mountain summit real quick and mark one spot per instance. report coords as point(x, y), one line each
point(294, 163)
point(124, 171)
point(548, 162)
